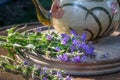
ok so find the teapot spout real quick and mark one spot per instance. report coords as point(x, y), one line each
point(42, 14)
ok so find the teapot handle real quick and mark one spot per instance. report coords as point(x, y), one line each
point(42, 14)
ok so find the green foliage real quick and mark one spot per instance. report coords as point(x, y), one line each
point(29, 71)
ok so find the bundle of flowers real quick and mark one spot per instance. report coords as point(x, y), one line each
point(61, 47)
point(31, 71)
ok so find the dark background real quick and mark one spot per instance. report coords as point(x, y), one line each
point(19, 11)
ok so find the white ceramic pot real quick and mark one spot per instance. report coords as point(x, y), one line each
point(96, 18)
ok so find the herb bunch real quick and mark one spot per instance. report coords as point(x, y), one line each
point(31, 71)
point(67, 48)
point(63, 47)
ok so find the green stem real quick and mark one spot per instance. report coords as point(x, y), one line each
point(67, 49)
point(6, 57)
point(48, 30)
point(3, 37)
point(48, 48)
point(4, 44)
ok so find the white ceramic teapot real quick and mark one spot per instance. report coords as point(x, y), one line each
point(96, 18)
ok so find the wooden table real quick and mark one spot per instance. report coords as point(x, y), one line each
point(113, 76)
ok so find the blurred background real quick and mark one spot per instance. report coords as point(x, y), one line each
point(19, 11)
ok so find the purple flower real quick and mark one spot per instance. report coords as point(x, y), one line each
point(49, 37)
point(63, 57)
point(83, 37)
point(65, 39)
point(106, 55)
point(63, 35)
point(79, 46)
point(44, 78)
point(76, 59)
point(57, 49)
point(64, 42)
point(38, 29)
point(90, 43)
point(83, 58)
point(90, 50)
point(68, 78)
point(59, 74)
point(85, 46)
point(43, 71)
point(74, 32)
point(25, 63)
point(72, 48)
point(76, 42)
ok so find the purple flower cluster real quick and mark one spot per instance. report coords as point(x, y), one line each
point(63, 57)
point(106, 55)
point(68, 78)
point(57, 49)
point(88, 49)
point(59, 74)
point(38, 29)
point(76, 59)
point(83, 37)
point(44, 71)
point(77, 44)
point(50, 74)
point(68, 58)
point(25, 63)
point(49, 37)
point(74, 33)
point(72, 48)
point(65, 39)
point(75, 47)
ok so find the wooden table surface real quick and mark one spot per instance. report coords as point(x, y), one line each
point(113, 76)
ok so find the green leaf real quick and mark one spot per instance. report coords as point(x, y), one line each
point(11, 30)
point(8, 66)
point(30, 46)
point(27, 71)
